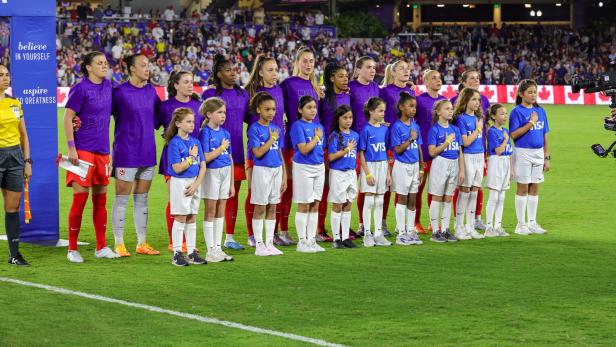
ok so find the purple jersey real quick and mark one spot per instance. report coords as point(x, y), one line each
point(485, 104)
point(423, 117)
point(391, 94)
point(276, 93)
point(165, 113)
point(360, 93)
point(236, 101)
point(293, 88)
point(327, 111)
point(92, 104)
point(134, 112)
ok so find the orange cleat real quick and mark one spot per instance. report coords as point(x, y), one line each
point(146, 249)
point(420, 229)
point(122, 251)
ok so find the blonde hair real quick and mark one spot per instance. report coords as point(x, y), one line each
point(312, 78)
point(208, 106)
point(178, 115)
point(389, 72)
point(437, 106)
point(427, 74)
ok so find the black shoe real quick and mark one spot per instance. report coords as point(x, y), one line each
point(352, 235)
point(349, 244)
point(337, 244)
point(18, 260)
point(450, 238)
point(194, 258)
point(179, 260)
point(438, 237)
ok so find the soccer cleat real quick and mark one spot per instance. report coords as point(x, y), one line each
point(522, 229)
point(323, 237)
point(278, 241)
point(273, 250)
point(214, 257)
point(337, 244)
point(194, 258)
point(224, 255)
point(473, 233)
point(479, 224)
point(501, 232)
point(381, 241)
point(313, 243)
point(437, 237)
point(461, 233)
point(287, 238)
point(18, 260)
point(106, 252)
point(122, 251)
point(369, 239)
point(349, 244)
point(233, 245)
point(449, 237)
point(536, 229)
point(262, 251)
point(403, 240)
point(146, 249)
point(179, 259)
point(352, 235)
point(420, 229)
point(74, 257)
point(386, 231)
point(251, 241)
point(413, 237)
point(360, 231)
point(304, 247)
point(491, 232)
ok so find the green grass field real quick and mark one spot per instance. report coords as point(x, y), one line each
point(554, 289)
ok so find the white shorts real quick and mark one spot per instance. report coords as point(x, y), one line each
point(405, 178)
point(308, 181)
point(473, 170)
point(443, 176)
point(528, 165)
point(182, 205)
point(499, 171)
point(342, 186)
point(265, 185)
point(130, 174)
point(378, 169)
point(216, 183)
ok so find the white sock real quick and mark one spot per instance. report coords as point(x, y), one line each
point(435, 208)
point(461, 207)
point(208, 234)
point(410, 220)
point(470, 210)
point(334, 221)
point(177, 231)
point(345, 223)
point(301, 223)
point(366, 213)
point(270, 226)
point(140, 216)
point(229, 238)
point(218, 224)
point(499, 209)
point(446, 216)
point(118, 215)
point(531, 208)
point(520, 208)
point(400, 218)
point(257, 229)
point(492, 205)
point(191, 237)
point(378, 215)
point(313, 223)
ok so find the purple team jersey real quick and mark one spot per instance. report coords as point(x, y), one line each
point(423, 117)
point(134, 112)
point(391, 94)
point(327, 111)
point(92, 104)
point(360, 93)
point(293, 88)
point(276, 93)
point(236, 101)
point(163, 118)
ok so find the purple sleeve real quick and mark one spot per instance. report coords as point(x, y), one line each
point(75, 99)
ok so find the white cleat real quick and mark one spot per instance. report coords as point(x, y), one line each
point(261, 250)
point(414, 238)
point(461, 233)
point(368, 239)
point(213, 256)
point(473, 233)
point(522, 229)
point(74, 257)
point(273, 250)
point(501, 232)
point(536, 229)
point(404, 240)
point(380, 240)
point(314, 245)
point(106, 252)
point(491, 232)
point(304, 247)
point(224, 255)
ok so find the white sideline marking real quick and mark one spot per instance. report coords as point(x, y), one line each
point(203, 319)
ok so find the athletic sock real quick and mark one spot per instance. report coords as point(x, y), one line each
point(446, 216)
point(140, 216)
point(208, 235)
point(74, 219)
point(169, 217)
point(366, 211)
point(311, 228)
point(334, 221)
point(386, 201)
point(479, 205)
point(463, 198)
point(11, 225)
point(378, 215)
point(491, 208)
point(418, 198)
point(345, 224)
point(323, 210)
point(286, 203)
point(520, 208)
point(361, 197)
point(410, 220)
point(249, 210)
point(231, 210)
point(191, 237)
point(99, 218)
point(531, 208)
point(400, 212)
point(257, 228)
point(499, 209)
point(301, 223)
point(176, 235)
point(470, 210)
point(270, 225)
point(218, 225)
point(435, 209)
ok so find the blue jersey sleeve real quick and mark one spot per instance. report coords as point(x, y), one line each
point(173, 152)
point(492, 139)
point(432, 136)
point(363, 139)
point(461, 125)
point(514, 120)
point(253, 138)
point(332, 143)
point(297, 134)
point(395, 136)
point(204, 138)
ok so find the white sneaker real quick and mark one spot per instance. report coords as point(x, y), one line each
point(273, 250)
point(461, 233)
point(225, 256)
point(403, 239)
point(414, 238)
point(106, 252)
point(536, 229)
point(522, 229)
point(74, 257)
point(261, 250)
point(381, 241)
point(501, 232)
point(314, 245)
point(491, 232)
point(304, 247)
point(368, 239)
point(473, 233)
point(213, 256)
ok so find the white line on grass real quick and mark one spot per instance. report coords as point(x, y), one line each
point(174, 313)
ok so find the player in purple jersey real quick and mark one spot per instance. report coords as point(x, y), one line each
point(236, 99)
point(134, 107)
point(425, 102)
point(362, 88)
point(86, 126)
point(302, 83)
point(180, 93)
point(263, 78)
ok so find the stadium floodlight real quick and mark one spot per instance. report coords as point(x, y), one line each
point(408, 5)
point(600, 3)
point(558, 4)
point(465, 5)
point(440, 5)
point(539, 13)
point(532, 13)
point(528, 5)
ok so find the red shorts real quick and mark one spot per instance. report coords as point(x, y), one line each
point(239, 172)
point(98, 175)
point(250, 164)
point(390, 158)
point(287, 155)
point(357, 165)
point(326, 162)
point(427, 166)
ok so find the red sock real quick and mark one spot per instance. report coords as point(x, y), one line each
point(286, 202)
point(99, 217)
point(278, 218)
point(249, 210)
point(231, 210)
point(170, 220)
point(386, 200)
point(418, 202)
point(323, 210)
point(74, 219)
point(429, 199)
point(455, 200)
point(479, 202)
point(395, 199)
point(360, 207)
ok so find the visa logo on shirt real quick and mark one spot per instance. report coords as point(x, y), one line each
point(320, 141)
point(412, 146)
point(378, 147)
point(508, 148)
point(274, 145)
point(539, 126)
point(196, 162)
point(468, 133)
point(351, 154)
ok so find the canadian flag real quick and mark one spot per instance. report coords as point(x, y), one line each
point(545, 94)
point(512, 90)
point(573, 98)
point(490, 92)
point(62, 95)
point(420, 89)
point(198, 90)
point(602, 99)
